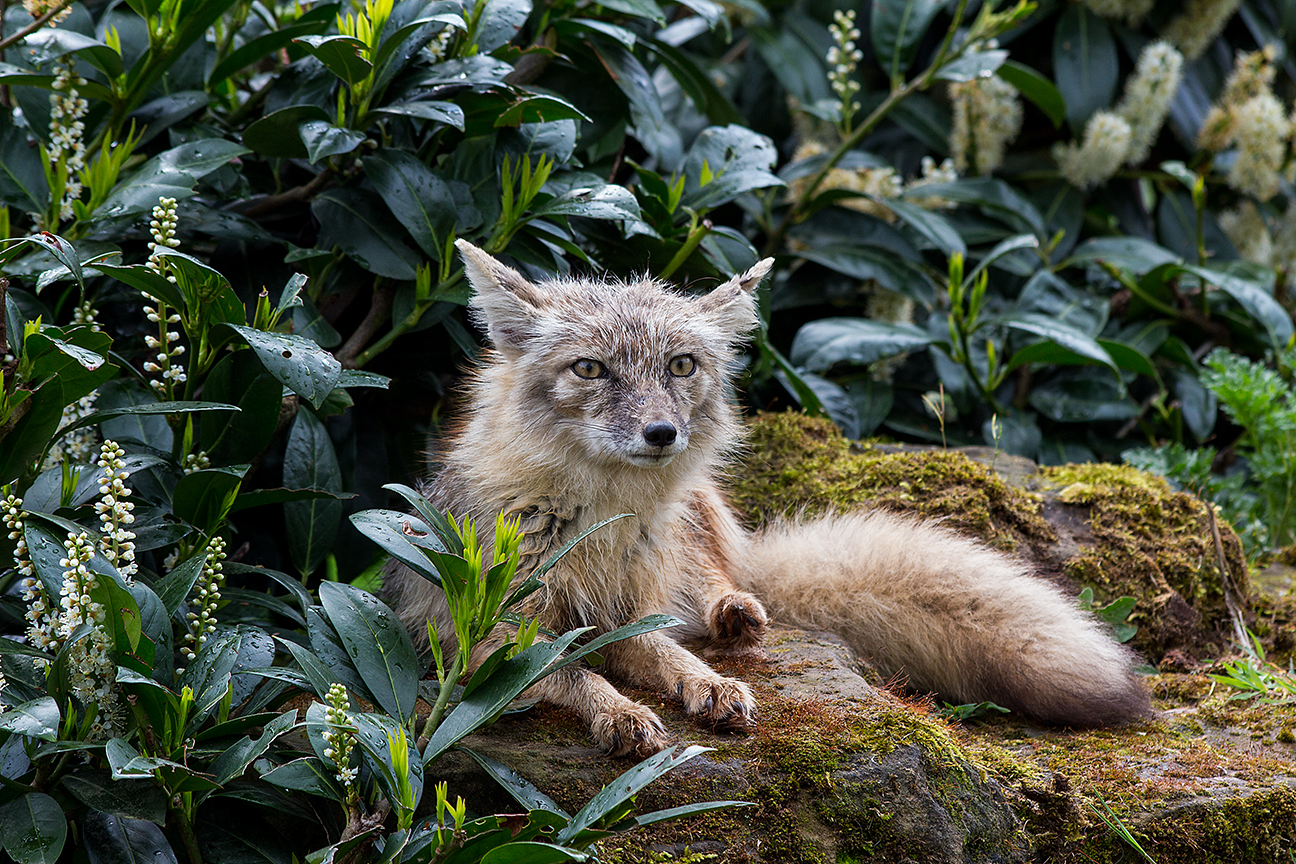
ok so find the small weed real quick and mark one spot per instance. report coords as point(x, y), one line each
point(971, 711)
point(1257, 678)
point(1117, 826)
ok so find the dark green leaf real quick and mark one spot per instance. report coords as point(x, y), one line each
point(308, 775)
point(204, 498)
point(420, 200)
point(501, 21)
point(357, 221)
point(323, 139)
point(133, 799)
point(592, 202)
point(1036, 88)
point(399, 534)
point(1134, 254)
point(378, 645)
point(626, 786)
point(311, 463)
point(522, 790)
point(821, 344)
point(973, 65)
point(36, 719)
point(1258, 302)
point(896, 27)
point(266, 44)
point(276, 133)
point(22, 177)
point(114, 839)
point(299, 364)
point(931, 225)
point(1085, 64)
point(33, 829)
point(236, 759)
point(343, 55)
point(532, 851)
point(438, 112)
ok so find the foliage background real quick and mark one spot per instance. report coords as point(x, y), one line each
point(1054, 290)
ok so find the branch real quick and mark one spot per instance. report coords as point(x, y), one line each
point(379, 313)
point(271, 203)
point(40, 22)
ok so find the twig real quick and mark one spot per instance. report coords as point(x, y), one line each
point(379, 312)
point(1235, 614)
point(19, 35)
point(299, 193)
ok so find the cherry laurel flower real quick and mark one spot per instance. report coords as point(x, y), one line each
point(1252, 76)
point(37, 8)
point(42, 617)
point(115, 511)
point(202, 621)
point(92, 670)
point(67, 130)
point(1148, 95)
point(1260, 132)
point(339, 736)
point(1106, 141)
point(1246, 229)
point(987, 117)
point(1199, 24)
point(165, 363)
point(1133, 11)
point(844, 58)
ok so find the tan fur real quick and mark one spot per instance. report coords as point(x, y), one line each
point(563, 452)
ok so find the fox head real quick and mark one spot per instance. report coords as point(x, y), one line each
point(628, 372)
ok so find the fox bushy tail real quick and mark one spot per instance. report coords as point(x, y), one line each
point(947, 613)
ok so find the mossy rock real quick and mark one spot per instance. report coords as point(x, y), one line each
point(1111, 528)
point(835, 770)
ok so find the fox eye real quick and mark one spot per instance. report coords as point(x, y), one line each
point(682, 366)
point(585, 368)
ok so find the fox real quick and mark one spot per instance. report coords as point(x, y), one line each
point(598, 397)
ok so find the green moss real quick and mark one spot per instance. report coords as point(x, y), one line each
point(1158, 546)
point(797, 464)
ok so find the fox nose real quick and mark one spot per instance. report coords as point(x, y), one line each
point(660, 433)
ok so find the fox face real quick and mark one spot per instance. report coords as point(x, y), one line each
point(626, 373)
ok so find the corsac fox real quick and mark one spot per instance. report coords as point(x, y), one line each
point(603, 397)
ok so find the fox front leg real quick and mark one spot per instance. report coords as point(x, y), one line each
point(657, 661)
point(618, 724)
point(736, 623)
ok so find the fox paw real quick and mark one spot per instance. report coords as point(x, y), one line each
point(725, 703)
point(631, 730)
point(737, 623)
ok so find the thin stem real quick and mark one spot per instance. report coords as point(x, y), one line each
point(697, 232)
point(775, 241)
point(19, 35)
point(443, 698)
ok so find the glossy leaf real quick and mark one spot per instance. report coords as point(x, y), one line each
point(821, 344)
point(299, 364)
point(114, 839)
point(33, 829)
point(1085, 64)
point(418, 198)
point(896, 27)
point(377, 644)
point(132, 799)
point(36, 719)
point(311, 463)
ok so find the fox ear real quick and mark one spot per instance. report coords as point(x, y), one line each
point(504, 303)
point(733, 304)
